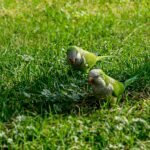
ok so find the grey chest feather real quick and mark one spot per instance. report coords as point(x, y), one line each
point(103, 90)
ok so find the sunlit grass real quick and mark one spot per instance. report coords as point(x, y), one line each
point(46, 104)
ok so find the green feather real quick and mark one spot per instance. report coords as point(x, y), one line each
point(118, 87)
point(89, 58)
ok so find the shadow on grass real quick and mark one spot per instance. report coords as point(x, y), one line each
point(37, 97)
point(41, 96)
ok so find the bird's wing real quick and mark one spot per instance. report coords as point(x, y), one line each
point(90, 59)
point(118, 87)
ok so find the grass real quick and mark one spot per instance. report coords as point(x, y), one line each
point(47, 105)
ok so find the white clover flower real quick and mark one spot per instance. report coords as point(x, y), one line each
point(30, 127)
point(79, 121)
point(2, 134)
point(46, 92)
point(27, 58)
point(112, 146)
point(119, 127)
point(10, 141)
point(20, 118)
point(122, 119)
point(118, 146)
point(121, 146)
point(75, 139)
point(118, 118)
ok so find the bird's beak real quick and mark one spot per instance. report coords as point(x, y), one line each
point(90, 80)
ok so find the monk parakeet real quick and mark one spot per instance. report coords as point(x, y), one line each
point(105, 86)
point(81, 59)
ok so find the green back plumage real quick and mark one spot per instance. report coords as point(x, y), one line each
point(118, 87)
point(89, 58)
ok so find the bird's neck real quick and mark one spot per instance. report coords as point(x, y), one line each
point(101, 83)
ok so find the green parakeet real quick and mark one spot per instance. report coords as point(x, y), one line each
point(105, 86)
point(81, 59)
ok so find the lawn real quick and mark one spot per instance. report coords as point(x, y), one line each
point(44, 103)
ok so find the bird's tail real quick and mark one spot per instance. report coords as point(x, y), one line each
point(103, 57)
point(128, 82)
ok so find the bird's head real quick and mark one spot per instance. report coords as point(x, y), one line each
point(73, 55)
point(96, 76)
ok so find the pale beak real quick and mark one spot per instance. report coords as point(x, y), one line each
point(90, 80)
